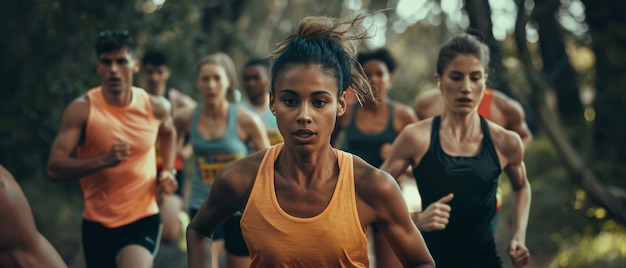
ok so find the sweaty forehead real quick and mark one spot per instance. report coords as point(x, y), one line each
point(306, 78)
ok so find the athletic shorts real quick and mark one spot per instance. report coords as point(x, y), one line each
point(230, 231)
point(101, 244)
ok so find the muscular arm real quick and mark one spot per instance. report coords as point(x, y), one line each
point(20, 242)
point(512, 148)
point(167, 138)
point(383, 196)
point(404, 150)
point(254, 130)
point(61, 166)
point(515, 117)
point(228, 195)
point(161, 109)
point(181, 102)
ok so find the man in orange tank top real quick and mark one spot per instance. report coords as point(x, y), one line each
point(113, 128)
point(495, 107)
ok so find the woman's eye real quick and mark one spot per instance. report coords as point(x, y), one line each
point(319, 103)
point(290, 102)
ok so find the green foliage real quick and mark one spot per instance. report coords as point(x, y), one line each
point(565, 229)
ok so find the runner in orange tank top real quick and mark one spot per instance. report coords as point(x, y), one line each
point(304, 203)
point(113, 128)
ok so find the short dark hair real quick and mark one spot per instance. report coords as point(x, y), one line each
point(258, 61)
point(109, 41)
point(155, 58)
point(381, 54)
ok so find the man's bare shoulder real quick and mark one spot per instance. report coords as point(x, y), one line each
point(181, 100)
point(506, 104)
point(161, 106)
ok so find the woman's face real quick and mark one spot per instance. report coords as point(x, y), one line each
point(212, 82)
point(306, 106)
point(378, 76)
point(462, 83)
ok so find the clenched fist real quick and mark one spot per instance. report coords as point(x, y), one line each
point(167, 183)
point(435, 216)
point(119, 152)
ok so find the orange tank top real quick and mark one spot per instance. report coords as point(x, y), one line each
point(333, 238)
point(484, 108)
point(124, 193)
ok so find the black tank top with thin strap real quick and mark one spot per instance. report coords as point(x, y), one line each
point(366, 145)
point(467, 240)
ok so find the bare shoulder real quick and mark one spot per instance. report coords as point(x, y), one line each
point(506, 141)
point(246, 117)
point(371, 184)
point(161, 107)
point(419, 131)
point(507, 105)
point(77, 111)
point(404, 112)
point(238, 177)
point(16, 225)
point(180, 99)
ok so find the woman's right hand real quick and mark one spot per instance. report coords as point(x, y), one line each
point(435, 216)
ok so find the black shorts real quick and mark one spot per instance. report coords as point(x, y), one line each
point(101, 244)
point(230, 231)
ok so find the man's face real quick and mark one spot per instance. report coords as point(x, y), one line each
point(256, 81)
point(155, 78)
point(116, 69)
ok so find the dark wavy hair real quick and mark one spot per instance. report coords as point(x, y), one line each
point(331, 43)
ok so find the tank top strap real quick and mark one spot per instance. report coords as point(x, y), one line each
point(194, 121)
point(231, 129)
point(390, 121)
point(487, 140)
point(434, 132)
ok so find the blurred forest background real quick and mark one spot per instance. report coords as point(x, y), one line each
point(564, 60)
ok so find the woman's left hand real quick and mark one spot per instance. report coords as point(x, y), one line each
point(519, 253)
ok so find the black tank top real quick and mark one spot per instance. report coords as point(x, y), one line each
point(467, 240)
point(365, 145)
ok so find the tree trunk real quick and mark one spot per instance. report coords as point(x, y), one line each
point(479, 13)
point(607, 22)
point(580, 174)
point(557, 68)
